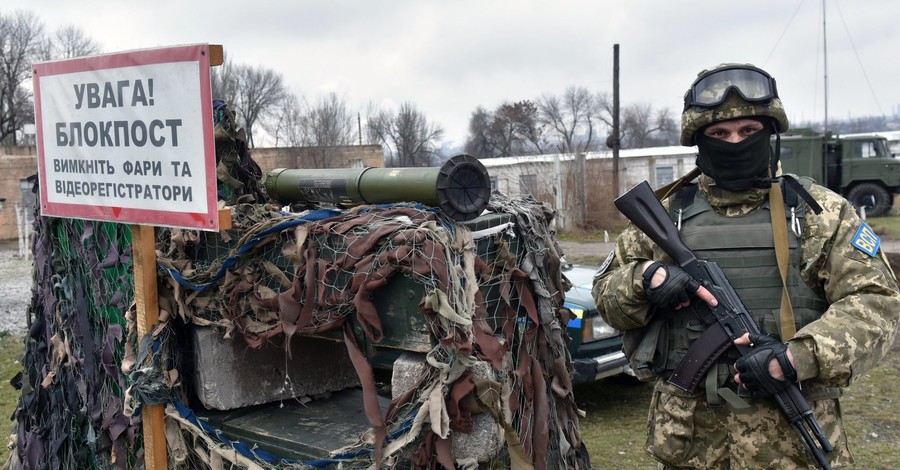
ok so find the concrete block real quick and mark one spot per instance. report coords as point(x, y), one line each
point(229, 374)
point(486, 438)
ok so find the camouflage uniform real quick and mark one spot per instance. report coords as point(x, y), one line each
point(854, 333)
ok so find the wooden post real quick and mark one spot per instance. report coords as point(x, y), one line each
point(143, 248)
point(615, 126)
point(144, 255)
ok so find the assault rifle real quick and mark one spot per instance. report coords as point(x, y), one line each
point(732, 319)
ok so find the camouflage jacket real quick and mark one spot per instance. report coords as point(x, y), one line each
point(854, 333)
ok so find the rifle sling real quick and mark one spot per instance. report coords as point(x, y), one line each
point(715, 394)
point(700, 356)
point(667, 190)
point(779, 231)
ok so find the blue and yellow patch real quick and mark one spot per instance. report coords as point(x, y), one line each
point(866, 240)
point(578, 311)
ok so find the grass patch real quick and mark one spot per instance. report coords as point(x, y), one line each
point(887, 227)
point(11, 349)
point(871, 415)
point(588, 236)
point(615, 427)
point(589, 260)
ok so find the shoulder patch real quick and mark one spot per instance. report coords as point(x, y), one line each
point(866, 240)
point(606, 263)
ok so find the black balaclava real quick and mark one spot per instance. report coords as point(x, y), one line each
point(736, 166)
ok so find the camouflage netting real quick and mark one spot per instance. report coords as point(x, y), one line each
point(70, 413)
point(489, 295)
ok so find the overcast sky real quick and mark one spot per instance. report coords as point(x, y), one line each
point(448, 57)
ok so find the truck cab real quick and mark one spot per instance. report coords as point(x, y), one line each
point(859, 167)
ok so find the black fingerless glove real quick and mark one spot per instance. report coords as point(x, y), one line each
point(678, 287)
point(753, 369)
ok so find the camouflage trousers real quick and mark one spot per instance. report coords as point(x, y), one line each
point(686, 433)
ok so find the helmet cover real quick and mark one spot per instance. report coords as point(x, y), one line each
point(734, 106)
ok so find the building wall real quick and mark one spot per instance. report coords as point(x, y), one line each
point(16, 165)
point(349, 156)
point(552, 178)
point(635, 165)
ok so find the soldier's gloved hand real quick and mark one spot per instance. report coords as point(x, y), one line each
point(768, 369)
point(672, 287)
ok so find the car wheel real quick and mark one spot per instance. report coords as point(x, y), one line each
point(872, 196)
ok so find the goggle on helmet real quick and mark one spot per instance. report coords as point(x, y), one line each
point(709, 90)
point(730, 91)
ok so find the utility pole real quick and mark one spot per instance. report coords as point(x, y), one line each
point(615, 120)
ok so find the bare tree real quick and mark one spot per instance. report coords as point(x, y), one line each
point(512, 129)
point(224, 81)
point(645, 127)
point(571, 118)
point(324, 125)
point(479, 141)
point(503, 131)
point(70, 41)
point(641, 125)
point(286, 126)
point(525, 115)
point(260, 92)
point(328, 122)
point(410, 139)
point(253, 92)
point(21, 37)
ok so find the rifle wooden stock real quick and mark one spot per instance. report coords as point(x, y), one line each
point(644, 210)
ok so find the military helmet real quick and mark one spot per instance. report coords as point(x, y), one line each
point(730, 91)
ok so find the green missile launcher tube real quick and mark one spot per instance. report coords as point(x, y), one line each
point(461, 187)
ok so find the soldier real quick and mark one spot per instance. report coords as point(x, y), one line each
point(842, 297)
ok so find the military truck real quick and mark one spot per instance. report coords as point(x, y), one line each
point(859, 167)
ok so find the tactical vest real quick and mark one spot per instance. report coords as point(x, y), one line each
point(744, 247)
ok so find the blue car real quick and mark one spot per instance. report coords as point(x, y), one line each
point(596, 347)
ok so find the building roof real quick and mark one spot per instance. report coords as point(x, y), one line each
point(673, 150)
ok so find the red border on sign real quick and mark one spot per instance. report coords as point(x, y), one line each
point(198, 53)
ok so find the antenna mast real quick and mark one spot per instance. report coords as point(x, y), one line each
point(825, 62)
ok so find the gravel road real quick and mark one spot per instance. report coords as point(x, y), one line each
point(15, 288)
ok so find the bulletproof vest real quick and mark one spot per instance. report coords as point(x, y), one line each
point(744, 247)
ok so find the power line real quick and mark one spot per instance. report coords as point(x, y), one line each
point(858, 60)
point(783, 32)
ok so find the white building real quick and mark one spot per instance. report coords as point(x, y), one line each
point(542, 175)
point(539, 174)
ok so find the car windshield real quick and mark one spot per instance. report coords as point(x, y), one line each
point(875, 148)
point(581, 275)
